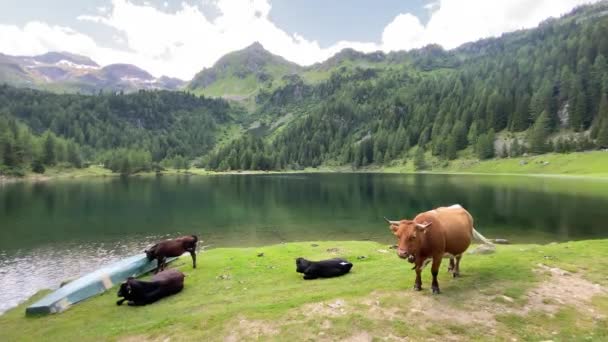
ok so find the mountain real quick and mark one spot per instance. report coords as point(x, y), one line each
point(241, 73)
point(67, 72)
point(530, 91)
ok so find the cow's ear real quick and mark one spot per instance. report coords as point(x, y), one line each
point(394, 228)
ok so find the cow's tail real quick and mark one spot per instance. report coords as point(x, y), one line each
point(477, 236)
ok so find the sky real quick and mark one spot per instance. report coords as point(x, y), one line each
point(180, 38)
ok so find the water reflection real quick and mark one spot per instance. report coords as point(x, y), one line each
point(53, 231)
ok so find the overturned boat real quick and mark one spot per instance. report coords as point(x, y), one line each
point(92, 284)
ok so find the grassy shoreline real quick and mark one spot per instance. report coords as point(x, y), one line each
point(592, 165)
point(523, 292)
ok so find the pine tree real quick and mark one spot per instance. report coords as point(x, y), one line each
point(451, 148)
point(48, 153)
point(419, 162)
point(537, 137)
point(602, 134)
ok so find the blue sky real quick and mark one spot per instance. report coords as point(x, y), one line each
point(179, 38)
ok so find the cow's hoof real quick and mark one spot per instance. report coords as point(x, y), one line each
point(417, 288)
point(436, 290)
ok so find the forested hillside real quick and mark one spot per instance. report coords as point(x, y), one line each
point(126, 133)
point(530, 91)
point(545, 81)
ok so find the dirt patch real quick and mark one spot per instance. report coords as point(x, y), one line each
point(139, 338)
point(332, 309)
point(251, 329)
point(562, 288)
point(362, 336)
point(559, 289)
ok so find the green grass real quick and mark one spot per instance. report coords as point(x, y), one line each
point(586, 164)
point(264, 298)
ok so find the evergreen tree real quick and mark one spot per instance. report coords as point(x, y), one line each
point(537, 137)
point(48, 154)
point(602, 135)
point(419, 161)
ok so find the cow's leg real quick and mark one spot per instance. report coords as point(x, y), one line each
point(158, 264)
point(193, 254)
point(434, 272)
point(451, 266)
point(457, 266)
point(163, 263)
point(418, 282)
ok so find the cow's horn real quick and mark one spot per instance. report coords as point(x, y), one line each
point(423, 225)
point(391, 222)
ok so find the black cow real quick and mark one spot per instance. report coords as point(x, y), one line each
point(322, 269)
point(172, 248)
point(139, 292)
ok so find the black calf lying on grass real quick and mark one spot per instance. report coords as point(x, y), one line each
point(322, 269)
point(139, 292)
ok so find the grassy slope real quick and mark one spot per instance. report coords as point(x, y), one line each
point(263, 297)
point(589, 164)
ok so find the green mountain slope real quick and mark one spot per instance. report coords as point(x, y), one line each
point(550, 82)
point(240, 74)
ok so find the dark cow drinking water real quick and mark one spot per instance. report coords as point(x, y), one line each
point(163, 284)
point(172, 248)
point(322, 269)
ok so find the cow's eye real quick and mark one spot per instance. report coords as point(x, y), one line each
point(412, 238)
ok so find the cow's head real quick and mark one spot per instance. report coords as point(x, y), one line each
point(409, 236)
point(125, 288)
point(151, 252)
point(301, 265)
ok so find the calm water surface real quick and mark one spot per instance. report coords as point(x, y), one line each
point(50, 232)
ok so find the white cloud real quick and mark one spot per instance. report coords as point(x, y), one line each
point(454, 22)
point(181, 43)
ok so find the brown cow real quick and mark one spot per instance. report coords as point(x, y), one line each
point(432, 235)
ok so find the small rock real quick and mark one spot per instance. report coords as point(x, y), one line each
point(507, 299)
point(523, 162)
point(501, 241)
point(382, 251)
point(337, 304)
point(333, 250)
point(224, 276)
point(361, 257)
point(261, 254)
point(314, 245)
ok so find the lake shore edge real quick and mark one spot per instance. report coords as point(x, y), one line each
point(587, 165)
point(522, 291)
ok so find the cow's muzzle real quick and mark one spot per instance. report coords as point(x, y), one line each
point(405, 255)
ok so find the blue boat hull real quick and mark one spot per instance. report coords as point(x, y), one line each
point(92, 284)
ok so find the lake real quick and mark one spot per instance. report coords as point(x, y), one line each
point(53, 231)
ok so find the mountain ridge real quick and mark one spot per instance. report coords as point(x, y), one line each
point(68, 72)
